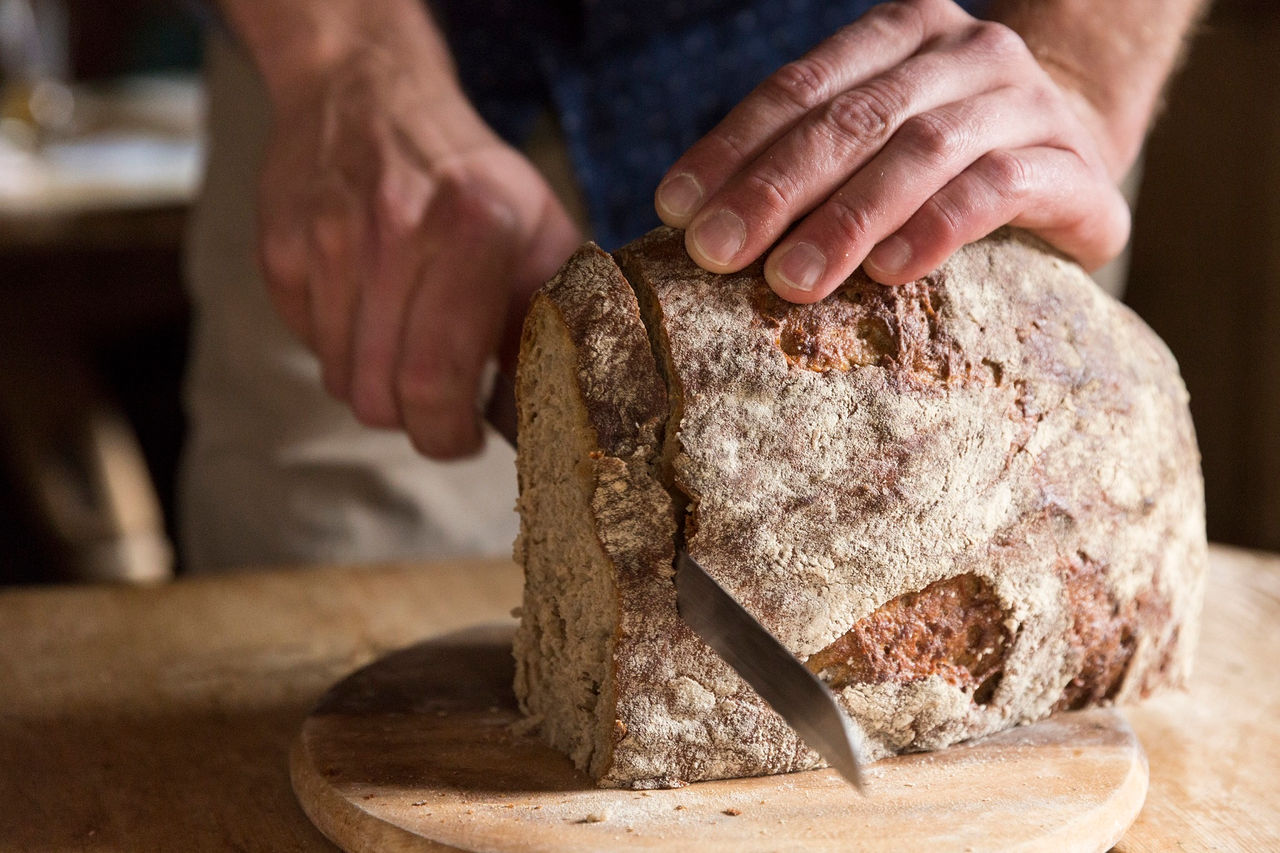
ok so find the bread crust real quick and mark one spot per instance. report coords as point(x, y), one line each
point(624, 396)
point(1000, 437)
point(623, 404)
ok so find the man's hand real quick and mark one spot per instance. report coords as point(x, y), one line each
point(907, 134)
point(400, 238)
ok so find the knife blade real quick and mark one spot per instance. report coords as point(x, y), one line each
point(727, 627)
point(778, 676)
point(500, 411)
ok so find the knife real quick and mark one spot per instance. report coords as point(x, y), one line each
point(500, 411)
point(778, 676)
point(726, 626)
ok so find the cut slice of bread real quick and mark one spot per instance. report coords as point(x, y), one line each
point(966, 502)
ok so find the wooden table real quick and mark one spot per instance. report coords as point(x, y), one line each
point(160, 719)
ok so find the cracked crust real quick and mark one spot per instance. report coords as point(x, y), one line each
point(594, 524)
point(1000, 432)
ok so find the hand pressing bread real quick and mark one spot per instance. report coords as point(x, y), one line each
point(917, 129)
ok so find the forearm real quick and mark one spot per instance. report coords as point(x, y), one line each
point(296, 42)
point(350, 60)
point(1112, 58)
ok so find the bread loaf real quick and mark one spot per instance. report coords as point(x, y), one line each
point(965, 502)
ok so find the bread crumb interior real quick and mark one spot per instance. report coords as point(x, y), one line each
point(565, 644)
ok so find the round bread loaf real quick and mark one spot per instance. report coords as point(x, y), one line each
point(966, 502)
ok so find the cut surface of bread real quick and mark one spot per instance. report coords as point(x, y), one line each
point(965, 502)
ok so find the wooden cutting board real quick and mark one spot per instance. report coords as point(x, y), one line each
point(418, 751)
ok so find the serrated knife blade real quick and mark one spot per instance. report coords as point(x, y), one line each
point(778, 676)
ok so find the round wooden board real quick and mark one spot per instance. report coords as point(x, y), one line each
point(418, 752)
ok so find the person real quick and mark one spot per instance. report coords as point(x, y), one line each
point(368, 154)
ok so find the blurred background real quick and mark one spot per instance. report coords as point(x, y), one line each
point(100, 156)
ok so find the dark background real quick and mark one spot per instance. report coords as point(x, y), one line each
point(1206, 259)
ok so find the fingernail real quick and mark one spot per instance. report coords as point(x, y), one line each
point(801, 266)
point(680, 195)
point(891, 256)
point(720, 237)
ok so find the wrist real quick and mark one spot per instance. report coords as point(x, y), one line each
point(1110, 60)
point(1116, 109)
point(299, 46)
point(1117, 132)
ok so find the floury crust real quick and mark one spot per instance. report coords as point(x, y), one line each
point(1000, 440)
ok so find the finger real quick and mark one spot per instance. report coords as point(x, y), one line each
point(334, 255)
point(454, 320)
point(1049, 191)
point(392, 271)
point(877, 41)
point(380, 308)
point(282, 257)
point(929, 150)
point(811, 162)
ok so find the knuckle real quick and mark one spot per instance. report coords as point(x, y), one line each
point(803, 83)
point(899, 16)
point(935, 135)
point(1007, 175)
point(394, 208)
point(1043, 99)
point(416, 390)
point(852, 222)
point(943, 217)
point(477, 207)
point(994, 39)
point(727, 146)
point(861, 115)
point(431, 387)
point(770, 190)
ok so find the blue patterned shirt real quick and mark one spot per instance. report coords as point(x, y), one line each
point(633, 84)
